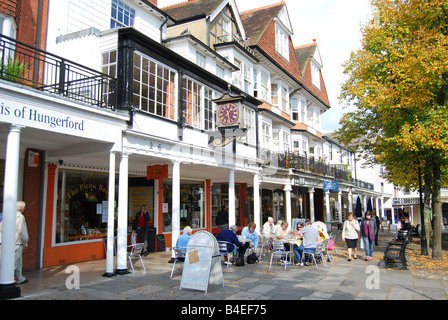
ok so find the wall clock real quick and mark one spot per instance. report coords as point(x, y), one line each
point(228, 114)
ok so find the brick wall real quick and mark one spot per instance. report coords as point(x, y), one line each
point(27, 23)
point(31, 196)
point(10, 7)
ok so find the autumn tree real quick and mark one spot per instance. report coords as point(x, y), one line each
point(398, 82)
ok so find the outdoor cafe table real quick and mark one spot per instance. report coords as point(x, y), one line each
point(292, 240)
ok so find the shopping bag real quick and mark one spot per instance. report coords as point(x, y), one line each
point(361, 242)
point(193, 256)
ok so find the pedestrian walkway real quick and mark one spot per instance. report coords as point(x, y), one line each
point(354, 280)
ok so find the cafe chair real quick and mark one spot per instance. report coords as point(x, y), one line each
point(225, 252)
point(279, 250)
point(263, 243)
point(179, 257)
point(319, 254)
point(326, 251)
point(135, 253)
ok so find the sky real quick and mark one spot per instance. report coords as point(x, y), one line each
point(336, 26)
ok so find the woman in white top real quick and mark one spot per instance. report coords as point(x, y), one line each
point(350, 233)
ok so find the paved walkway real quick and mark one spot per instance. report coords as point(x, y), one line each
point(354, 280)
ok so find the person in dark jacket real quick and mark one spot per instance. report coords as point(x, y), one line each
point(222, 219)
point(368, 231)
point(140, 226)
point(229, 235)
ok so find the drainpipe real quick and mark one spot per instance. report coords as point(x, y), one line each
point(161, 28)
point(37, 42)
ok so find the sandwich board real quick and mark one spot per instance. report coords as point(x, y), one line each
point(202, 264)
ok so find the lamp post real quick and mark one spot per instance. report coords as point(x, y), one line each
point(424, 248)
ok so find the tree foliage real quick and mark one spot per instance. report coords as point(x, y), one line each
point(398, 82)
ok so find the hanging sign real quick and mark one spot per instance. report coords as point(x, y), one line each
point(157, 172)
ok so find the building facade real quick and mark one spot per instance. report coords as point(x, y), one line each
point(109, 105)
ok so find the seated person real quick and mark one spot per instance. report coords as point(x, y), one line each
point(309, 243)
point(250, 233)
point(229, 235)
point(182, 241)
point(282, 231)
point(268, 227)
point(406, 225)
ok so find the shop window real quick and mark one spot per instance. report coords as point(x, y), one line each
point(82, 207)
point(192, 205)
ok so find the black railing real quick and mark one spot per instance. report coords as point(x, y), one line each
point(41, 70)
point(290, 160)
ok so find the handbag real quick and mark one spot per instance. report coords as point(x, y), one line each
point(239, 261)
point(252, 258)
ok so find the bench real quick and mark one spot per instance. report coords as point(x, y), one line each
point(395, 253)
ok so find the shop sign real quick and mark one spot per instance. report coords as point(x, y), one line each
point(33, 116)
point(331, 186)
point(157, 172)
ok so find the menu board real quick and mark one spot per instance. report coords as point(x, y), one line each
point(202, 263)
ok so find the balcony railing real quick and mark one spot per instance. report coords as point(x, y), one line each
point(41, 70)
point(289, 160)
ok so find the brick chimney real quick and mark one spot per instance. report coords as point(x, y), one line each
point(154, 2)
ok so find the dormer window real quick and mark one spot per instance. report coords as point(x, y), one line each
point(282, 42)
point(315, 74)
point(222, 28)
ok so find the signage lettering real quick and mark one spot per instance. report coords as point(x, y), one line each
point(33, 115)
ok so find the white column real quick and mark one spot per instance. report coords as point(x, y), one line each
point(382, 207)
point(287, 189)
point(175, 215)
point(257, 213)
point(350, 202)
point(110, 218)
point(392, 215)
point(340, 205)
point(364, 198)
point(312, 205)
point(327, 206)
point(10, 206)
point(377, 206)
point(231, 197)
point(122, 221)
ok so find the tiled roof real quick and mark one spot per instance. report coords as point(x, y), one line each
point(303, 55)
point(192, 9)
point(257, 20)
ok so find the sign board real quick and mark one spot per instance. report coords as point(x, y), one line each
point(202, 263)
point(331, 186)
point(295, 221)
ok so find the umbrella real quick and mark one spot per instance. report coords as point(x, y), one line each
point(358, 209)
point(369, 205)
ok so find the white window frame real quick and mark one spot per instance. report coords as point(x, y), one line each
point(315, 74)
point(281, 42)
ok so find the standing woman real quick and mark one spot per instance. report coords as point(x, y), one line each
point(350, 232)
point(368, 231)
point(140, 226)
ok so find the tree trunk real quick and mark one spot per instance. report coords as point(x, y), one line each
point(427, 216)
point(437, 207)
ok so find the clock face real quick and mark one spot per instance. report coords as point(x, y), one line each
point(228, 114)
